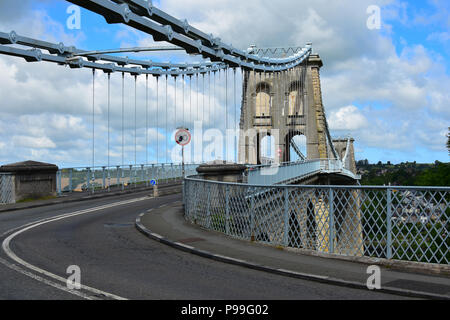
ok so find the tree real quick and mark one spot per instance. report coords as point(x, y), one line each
point(362, 162)
point(439, 175)
point(448, 140)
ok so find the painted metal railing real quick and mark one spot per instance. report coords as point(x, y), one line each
point(403, 223)
point(291, 171)
point(7, 188)
point(104, 178)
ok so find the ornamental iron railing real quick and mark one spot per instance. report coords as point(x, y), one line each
point(104, 178)
point(288, 172)
point(404, 223)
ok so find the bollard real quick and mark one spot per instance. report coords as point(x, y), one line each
point(155, 191)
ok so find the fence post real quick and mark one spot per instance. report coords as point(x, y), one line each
point(70, 180)
point(59, 182)
point(104, 177)
point(130, 181)
point(286, 217)
point(109, 178)
point(227, 209)
point(183, 184)
point(88, 179)
point(122, 178)
point(252, 214)
point(331, 221)
point(152, 174)
point(118, 175)
point(93, 179)
point(389, 225)
point(208, 204)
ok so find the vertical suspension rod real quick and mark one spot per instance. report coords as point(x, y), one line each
point(135, 122)
point(167, 146)
point(93, 128)
point(146, 119)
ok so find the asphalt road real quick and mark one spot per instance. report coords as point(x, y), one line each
point(117, 261)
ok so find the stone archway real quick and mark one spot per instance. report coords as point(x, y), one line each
point(300, 141)
point(266, 148)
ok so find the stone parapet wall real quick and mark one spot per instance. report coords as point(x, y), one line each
point(32, 180)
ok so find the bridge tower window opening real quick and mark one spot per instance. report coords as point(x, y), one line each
point(263, 100)
point(296, 108)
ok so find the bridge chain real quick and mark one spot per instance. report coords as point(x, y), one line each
point(143, 16)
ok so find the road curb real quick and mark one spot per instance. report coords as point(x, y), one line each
point(293, 274)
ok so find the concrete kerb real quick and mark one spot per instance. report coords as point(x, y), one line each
point(293, 274)
point(162, 191)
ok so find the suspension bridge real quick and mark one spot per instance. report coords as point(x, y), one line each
point(257, 101)
point(263, 94)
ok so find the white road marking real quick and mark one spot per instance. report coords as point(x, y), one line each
point(43, 280)
point(26, 227)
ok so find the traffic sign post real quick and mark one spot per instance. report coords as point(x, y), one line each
point(182, 137)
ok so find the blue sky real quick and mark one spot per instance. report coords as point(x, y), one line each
point(387, 88)
point(426, 24)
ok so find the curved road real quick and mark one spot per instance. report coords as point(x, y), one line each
point(117, 261)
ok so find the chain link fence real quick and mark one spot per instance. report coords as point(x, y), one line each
point(6, 188)
point(404, 223)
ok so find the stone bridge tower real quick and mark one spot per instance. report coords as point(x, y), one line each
point(283, 105)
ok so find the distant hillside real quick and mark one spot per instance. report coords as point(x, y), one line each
point(405, 174)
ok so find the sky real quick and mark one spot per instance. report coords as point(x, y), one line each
point(388, 87)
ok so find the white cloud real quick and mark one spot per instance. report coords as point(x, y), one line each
point(12, 10)
point(33, 142)
point(442, 37)
point(347, 118)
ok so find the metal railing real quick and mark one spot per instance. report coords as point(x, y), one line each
point(404, 223)
point(104, 178)
point(7, 188)
point(291, 171)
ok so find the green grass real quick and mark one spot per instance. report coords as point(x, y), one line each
point(36, 199)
